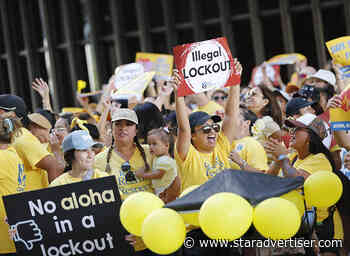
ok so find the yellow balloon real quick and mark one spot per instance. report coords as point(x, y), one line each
point(191, 217)
point(225, 216)
point(322, 189)
point(276, 218)
point(163, 231)
point(136, 208)
point(296, 198)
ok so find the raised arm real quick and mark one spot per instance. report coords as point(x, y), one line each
point(184, 131)
point(229, 125)
point(42, 88)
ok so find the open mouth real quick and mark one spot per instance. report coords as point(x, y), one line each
point(211, 139)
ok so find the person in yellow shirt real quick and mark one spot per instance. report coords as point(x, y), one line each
point(247, 153)
point(34, 155)
point(12, 177)
point(308, 139)
point(123, 158)
point(202, 147)
point(78, 153)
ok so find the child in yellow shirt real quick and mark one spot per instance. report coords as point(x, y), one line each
point(164, 168)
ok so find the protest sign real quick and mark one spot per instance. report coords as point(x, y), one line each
point(124, 74)
point(339, 49)
point(205, 66)
point(286, 59)
point(162, 64)
point(136, 87)
point(340, 117)
point(75, 219)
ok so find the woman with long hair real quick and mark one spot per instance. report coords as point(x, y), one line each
point(123, 158)
point(310, 139)
point(263, 102)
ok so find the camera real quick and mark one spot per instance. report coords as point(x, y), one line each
point(129, 176)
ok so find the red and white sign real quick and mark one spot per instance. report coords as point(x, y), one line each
point(205, 66)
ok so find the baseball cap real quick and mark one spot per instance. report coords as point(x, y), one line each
point(295, 104)
point(40, 120)
point(200, 117)
point(79, 140)
point(324, 75)
point(315, 124)
point(11, 102)
point(124, 114)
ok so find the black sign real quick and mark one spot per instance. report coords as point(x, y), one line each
point(75, 219)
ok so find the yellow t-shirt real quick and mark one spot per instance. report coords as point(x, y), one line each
point(12, 181)
point(167, 164)
point(311, 164)
point(31, 151)
point(251, 151)
point(67, 178)
point(199, 167)
point(126, 188)
point(211, 108)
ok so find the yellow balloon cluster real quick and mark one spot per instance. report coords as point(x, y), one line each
point(163, 231)
point(136, 208)
point(276, 218)
point(225, 216)
point(322, 189)
point(191, 217)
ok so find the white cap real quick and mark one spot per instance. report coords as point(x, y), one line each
point(324, 75)
point(314, 123)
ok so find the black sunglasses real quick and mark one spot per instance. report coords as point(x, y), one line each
point(207, 128)
point(216, 98)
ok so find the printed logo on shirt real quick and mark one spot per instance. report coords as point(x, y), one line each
point(212, 170)
point(128, 178)
point(21, 178)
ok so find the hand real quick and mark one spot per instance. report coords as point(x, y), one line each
point(347, 160)
point(235, 157)
point(238, 67)
point(140, 173)
point(131, 238)
point(334, 102)
point(41, 87)
point(107, 104)
point(175, 81)
point(54, 142)
point(275, 148)
point(336, 67)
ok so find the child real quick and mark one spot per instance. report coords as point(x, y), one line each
point(164, 168)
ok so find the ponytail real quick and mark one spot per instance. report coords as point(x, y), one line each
point(142, 151)
point(109, 154)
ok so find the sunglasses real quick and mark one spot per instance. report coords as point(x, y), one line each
point(207, 128)
point(216, 98)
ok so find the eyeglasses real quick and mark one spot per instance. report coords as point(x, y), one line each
point(207, 128)
point(216, 98)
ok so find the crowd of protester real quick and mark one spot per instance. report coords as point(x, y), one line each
point(164, 144)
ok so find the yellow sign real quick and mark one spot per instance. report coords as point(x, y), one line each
point(340, 117)
point(285, 59)
point(136, 87)
point(339, 49)
point(162, 64)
